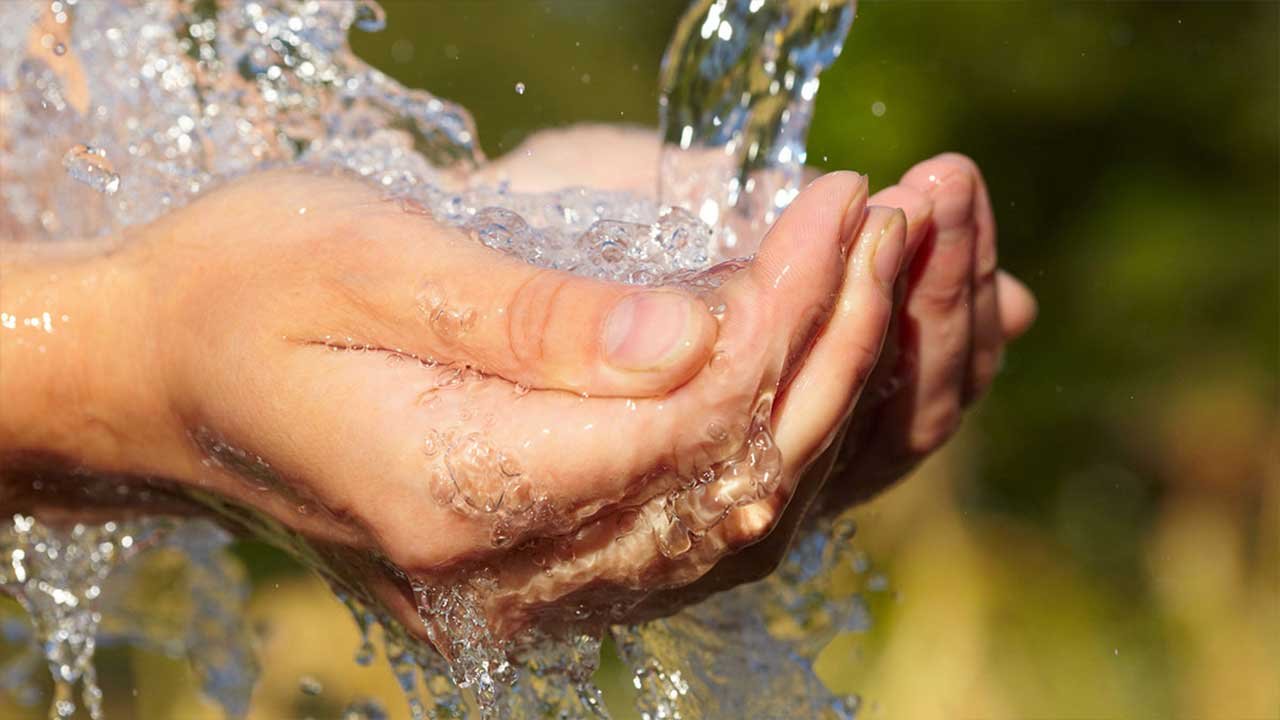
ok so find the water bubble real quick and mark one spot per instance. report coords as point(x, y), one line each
point(432, 443)
point(59, 49)
point(364, 709)
point(309, 685)
point(669, 532)
point(861, 563)
point(877, 108)
point(89, 165)
point(519, 88)
point(474, 467)
point(370, 17)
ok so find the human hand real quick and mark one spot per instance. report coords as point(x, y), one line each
point(301, 346)
point(955, 312)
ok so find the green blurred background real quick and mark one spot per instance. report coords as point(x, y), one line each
point(1103, 539)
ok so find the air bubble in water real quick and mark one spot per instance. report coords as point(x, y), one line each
point(89, 165)
point(519, 88)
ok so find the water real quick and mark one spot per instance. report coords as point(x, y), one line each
point(738, 85)
point(95, 583)
point(181, 97)
point(90, 166)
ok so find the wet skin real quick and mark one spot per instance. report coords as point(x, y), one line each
point(297, 344)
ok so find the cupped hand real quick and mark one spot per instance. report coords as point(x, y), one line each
point(859, 415)
point(416, 403)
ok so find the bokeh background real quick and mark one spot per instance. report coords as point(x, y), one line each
point(1103, 538)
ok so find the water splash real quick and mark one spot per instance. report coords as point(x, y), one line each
point(749, 652)
point(87, 584)
point(57, 576)
point(187, 95)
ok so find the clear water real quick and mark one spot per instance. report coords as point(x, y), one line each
point(183, 96)
point(94, 583)
point(738, 84)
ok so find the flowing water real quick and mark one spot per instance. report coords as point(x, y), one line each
point(175, 98)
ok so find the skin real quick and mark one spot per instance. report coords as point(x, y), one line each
point(914, 361)
point(297, 344)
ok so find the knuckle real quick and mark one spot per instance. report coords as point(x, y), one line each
point(942, 295)
point(529, 312)
point(986, 364)
point(339, 231)
point(863, 355)
point(986, 263)
point(751, 524)
point(934, 427)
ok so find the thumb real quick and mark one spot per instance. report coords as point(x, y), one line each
point(452, 299)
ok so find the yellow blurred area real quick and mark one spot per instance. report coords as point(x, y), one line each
point(990, 619)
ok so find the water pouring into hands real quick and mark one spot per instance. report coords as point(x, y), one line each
point(364, 355)
point(377, 381)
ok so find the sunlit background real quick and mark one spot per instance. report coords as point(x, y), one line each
point(1103, 539)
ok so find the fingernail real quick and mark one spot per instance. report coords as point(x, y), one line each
point(853, 214)
point(649, 330)
point(919, 209)
point(887, 257)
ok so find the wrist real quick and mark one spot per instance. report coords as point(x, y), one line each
point(77, 366)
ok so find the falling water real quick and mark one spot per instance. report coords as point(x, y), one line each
point(738, 85)
point(94, 583)
point(185, 95)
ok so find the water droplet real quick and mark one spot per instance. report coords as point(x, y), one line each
point(877, 108)
point(364, 709)
point(432, 443)
point(717, 432)
point(89, 165)
point(309, 685)
point(519, 88)
point(370, 17)
point(364, 654)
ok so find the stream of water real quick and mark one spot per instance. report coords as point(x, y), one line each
point(185, 95)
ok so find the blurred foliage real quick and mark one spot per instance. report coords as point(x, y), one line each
point(1103, 539)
